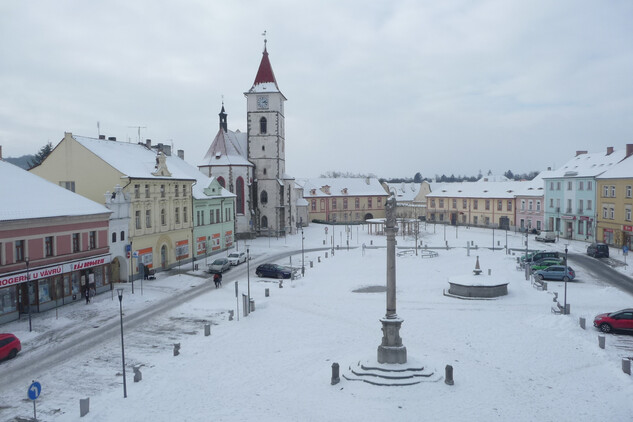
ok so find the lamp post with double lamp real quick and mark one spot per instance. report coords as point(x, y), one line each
point(303, 268)
point(120, 293)
point(527, 274)
point(28, 290)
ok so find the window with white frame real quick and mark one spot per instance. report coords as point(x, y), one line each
point(605, 212)
point(581, 185)
point(605, 191)
point(148, 218)
point(612, 191)
point(530, 205)
point(551, 202)
point(569, 185)
point(628, 191)
point(580, 206)
point(588, 204)
point(589, 185)
point(538, 205)
point(611, 212)
point(522, 204)
point(627, 213)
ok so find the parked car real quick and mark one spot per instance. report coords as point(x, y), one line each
point(541, 264)
point(556, 272)
point(546, 236)
point(615, 321)
point(236, 258)
point(598, 250)
point(9, 346)
point(273, 271)
point(219, 265)
point(542, 255)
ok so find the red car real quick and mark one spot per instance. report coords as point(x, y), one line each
point(9, 346)
point(615, 321)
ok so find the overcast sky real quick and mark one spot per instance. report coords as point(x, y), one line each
point(387, 87)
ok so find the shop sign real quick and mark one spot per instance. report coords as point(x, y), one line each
point(33, 275)
point(568, 217)
point(182, 249)
point(86, 263)
point(215, 242)
point(627, 228)
point(201, 245)
point(608, 230)
point(145, 256)
point(228, 238)
point(585, 218)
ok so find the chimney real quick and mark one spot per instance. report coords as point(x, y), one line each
point(102, 137)
point(167, 150)
point(367, 180)
point(549, 168)
point(181, 154)
point(609, 150)
point(580, 153)
point(112, 138)
point(148, 143)
point(159, 147)
point(629, 150)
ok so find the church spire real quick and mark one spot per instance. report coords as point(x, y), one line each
point(265, 73)
point(223, 124)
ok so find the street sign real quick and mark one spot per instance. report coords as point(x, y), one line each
point(34, 390)
point(128, 247)
point(625, 249)
point(135, 254)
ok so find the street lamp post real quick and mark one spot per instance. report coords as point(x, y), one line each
point(565, 279)
point(28, 290)
point(303, 268)
point(527, 275)
point(248, 277)
point(120, 294)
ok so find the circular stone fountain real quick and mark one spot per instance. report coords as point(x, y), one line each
point(477, 285)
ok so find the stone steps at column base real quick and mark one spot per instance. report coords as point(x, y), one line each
point(391, 374)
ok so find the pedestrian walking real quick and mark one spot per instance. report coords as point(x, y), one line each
point(220, 280)
point(87, 294)
point(216, 280)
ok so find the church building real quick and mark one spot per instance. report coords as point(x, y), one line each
point(252, 165)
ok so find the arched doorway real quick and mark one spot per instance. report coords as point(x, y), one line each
point(369, 216)
point(115, 268)
point(163, 257)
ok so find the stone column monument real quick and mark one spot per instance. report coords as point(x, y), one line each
point(391, 349)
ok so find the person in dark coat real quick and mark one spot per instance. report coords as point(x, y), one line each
point(216, 280)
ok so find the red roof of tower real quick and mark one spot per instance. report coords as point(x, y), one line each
point(265, 72)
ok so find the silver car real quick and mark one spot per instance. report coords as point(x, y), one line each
point(219, 265)
point(236, 258)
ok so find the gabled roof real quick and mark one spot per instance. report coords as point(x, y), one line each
point(621, 170)
point(341, 186)
point(479, 189)
point(227, 149)
point(588, 165)
point(404, 191)
point(26, 195)
point(135, 161)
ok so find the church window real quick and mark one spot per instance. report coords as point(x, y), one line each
point(113, 238)
point(263, 125)
point(264, 221)
point(263, 197)
point(239, 191)
point(222, 182)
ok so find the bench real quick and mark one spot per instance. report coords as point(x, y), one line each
point(539, 284)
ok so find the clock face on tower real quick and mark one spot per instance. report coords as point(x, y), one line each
point(262, 101)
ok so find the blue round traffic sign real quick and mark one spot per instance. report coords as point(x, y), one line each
point(34, 390)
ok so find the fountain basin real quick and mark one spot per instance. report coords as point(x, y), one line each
point(477, 286)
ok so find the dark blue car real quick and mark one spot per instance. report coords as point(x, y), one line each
point(273, 271)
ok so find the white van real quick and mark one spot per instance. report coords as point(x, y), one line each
point(546, 236)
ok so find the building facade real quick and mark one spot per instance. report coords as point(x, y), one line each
point(344, 200)
point(410, 198)
point(53, 245)
point(571, 193)
point(614, 207)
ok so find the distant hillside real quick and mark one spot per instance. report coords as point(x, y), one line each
point(22, 161)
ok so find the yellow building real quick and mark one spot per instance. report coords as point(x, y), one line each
point(614, 209)
point(344, 200)
point(158, 184)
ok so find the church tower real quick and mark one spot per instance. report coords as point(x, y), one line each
point(272, 188)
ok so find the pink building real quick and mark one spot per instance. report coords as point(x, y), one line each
point(53, 244)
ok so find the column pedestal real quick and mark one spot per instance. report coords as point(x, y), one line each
point(391, 349)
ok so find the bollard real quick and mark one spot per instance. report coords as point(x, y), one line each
point(601, 342)
point(324, 242)
point(319, 258)
point(176, 349)
point(137, 373)
point(267, 292)
point(231, 314)
point(281, 283)
point(207, 329)
point(84, 407)
point(626, 365)
point(252, 305)
point(335, 376)
point(567, 309)
point(582, 322)
point(472, 243)
point(545, 285)
point(448, 378)
point(489, 271)
point(311, 264)
point(447, 245)
point(326, 255)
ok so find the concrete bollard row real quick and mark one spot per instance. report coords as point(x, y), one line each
point(448, 377)
point(601, 342)
point(582, 322)
point(335, 374)
point(207, 330)
point(231, 314)
point(176, 349)
point(267, 292)
point(311, 264)
point(137, 373)
point(626, 365)
point(84, 407)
